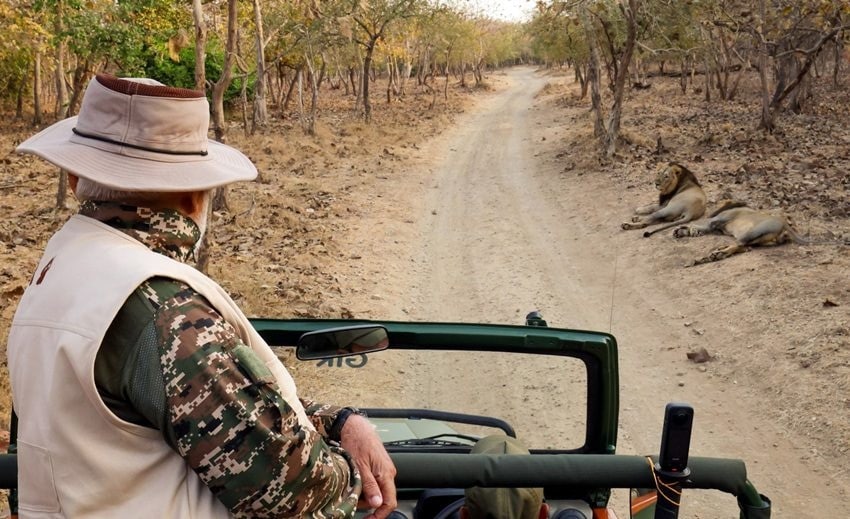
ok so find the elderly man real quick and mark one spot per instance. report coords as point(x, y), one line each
point(140, 387)
point(502, 503)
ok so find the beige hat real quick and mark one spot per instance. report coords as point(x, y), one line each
point(140, 135)
point(502, 503)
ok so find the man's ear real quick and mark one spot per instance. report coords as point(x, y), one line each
point(463, 512)
point(191, 203)
point(72, 182)
point(544, 511)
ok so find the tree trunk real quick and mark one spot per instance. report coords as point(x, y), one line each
point(220, 86)
point(390, 77)
point(19, 105)
point(220, 198)
point(352, 78)
point(766, 122)
point(246, 128)
point(200, 45)
point(61, 86)
point(620, 83)
point(300, 95)
point(322, 71)
point(62, 191)
point(582, 81)
point(310, 124)
point(203, 259)
point(446, 84)
point(405, 76)
point(593, 77)
point(367, 66)
point(36, 90)
point(260, 116)
point(82, 75)
point(288, 98)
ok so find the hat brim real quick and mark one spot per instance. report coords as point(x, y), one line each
point(105, 163)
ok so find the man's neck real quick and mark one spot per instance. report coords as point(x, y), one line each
point(165, 231)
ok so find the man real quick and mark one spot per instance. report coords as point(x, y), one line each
point(502, 503)
point(140, 387)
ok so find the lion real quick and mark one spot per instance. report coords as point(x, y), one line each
point(680, 200)
point(748, 226)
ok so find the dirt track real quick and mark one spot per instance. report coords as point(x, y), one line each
point(482, 227)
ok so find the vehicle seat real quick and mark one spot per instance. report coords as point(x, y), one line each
point(452, 511)
point(432, 501)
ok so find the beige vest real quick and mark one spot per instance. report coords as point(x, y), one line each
point(76, 458)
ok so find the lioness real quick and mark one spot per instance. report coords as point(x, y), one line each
point(746, 225)
point(680, 200)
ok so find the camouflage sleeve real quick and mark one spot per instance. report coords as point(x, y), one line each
point(322, 416)
point(234, 428)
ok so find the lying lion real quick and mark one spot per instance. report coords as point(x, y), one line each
point(680, 200)
point(748, 226)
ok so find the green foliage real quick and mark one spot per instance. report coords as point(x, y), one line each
point(556, 36)
point(214, 67)
point(23, 36)
point(182, 73)
point(175, 73)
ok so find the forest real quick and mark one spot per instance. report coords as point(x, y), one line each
point(259, 59)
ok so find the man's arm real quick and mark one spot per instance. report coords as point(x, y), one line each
point(235, 429)
point(322, 416)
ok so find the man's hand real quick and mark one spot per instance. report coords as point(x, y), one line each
point(359, 439)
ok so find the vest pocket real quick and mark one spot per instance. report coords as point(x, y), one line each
point(36, 488)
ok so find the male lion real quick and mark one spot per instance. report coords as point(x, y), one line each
point(746, 225)
point(680, 200)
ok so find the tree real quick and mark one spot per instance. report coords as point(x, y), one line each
point(622, 72)
point(372, 18)
point(224, 80)
point(200, 45)
point(800, 33)
point(260, 113)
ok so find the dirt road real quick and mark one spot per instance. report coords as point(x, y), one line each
point(481, 227)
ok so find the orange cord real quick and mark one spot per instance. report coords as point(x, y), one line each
point(659, 485)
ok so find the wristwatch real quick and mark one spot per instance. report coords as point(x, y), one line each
point(342, 417)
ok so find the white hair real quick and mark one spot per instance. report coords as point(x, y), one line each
point(91, 190)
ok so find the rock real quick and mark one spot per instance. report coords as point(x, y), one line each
point(699, 356)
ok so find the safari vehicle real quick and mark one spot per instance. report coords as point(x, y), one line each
point(559, 386)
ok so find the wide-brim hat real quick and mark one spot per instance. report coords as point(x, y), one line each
point(140, 135)
point(513, 503)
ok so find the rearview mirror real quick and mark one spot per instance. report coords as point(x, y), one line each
point(341, 342)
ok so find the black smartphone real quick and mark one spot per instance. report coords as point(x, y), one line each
point(676, 437)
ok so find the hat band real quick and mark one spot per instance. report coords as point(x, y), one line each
point(136, 146)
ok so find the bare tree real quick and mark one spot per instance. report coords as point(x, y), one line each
point(200, 45)
point(373, 19)
point(622, 72)
point(219, 88)
point(260, 114)
point(61, 86)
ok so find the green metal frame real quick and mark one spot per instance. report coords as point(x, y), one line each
point(597, 350)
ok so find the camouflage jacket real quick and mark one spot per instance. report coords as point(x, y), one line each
point(171, 362)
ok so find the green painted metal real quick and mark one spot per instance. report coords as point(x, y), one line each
point(597, 350)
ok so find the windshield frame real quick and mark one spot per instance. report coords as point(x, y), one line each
point(597, 350)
